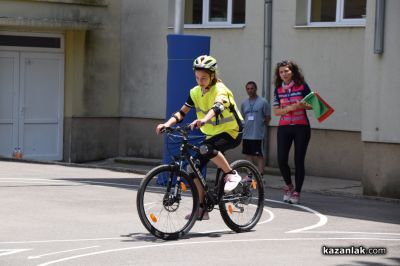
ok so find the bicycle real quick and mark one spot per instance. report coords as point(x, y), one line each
point(169, 210)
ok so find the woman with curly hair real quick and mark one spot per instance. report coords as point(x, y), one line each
point(294, 126)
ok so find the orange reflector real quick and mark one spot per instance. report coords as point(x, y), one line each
point(254, 184)
point(183, 187)
point(153, 217)
point(230, 209)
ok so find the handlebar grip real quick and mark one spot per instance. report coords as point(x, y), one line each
point(165, 129)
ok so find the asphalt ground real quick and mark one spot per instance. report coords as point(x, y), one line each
point(59, 215)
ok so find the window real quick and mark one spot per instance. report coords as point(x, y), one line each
point(347, 12)
point(215, 12)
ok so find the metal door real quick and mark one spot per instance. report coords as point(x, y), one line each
point(9, 94)
point(36, 81)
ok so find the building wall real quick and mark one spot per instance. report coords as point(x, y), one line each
point(144, 65)
point(381, 110)
point(328, 57)
point(144, 52)
point(92, 76)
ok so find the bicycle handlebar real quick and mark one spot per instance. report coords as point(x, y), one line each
point(183, 130)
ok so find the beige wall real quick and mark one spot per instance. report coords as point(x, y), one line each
point(331, 60)
point(381, 92)
point(90, 27)
point(144, 58)
point(381, 108)
point(239, 52)
point(91, 30)
point(381, 170)
point(102, 65)
point(74, 72)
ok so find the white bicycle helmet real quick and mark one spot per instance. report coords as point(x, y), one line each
point(205, 62)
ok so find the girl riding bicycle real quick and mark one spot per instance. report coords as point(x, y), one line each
point(217, 117)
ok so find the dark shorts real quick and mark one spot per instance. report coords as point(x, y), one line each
point(252, 147)
point(223, 142)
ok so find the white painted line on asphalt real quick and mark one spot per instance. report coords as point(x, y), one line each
point(271, 217)
point(347, 232)
point(322, 218)
point(63, 240)
point(106, 183)
point(58, 252)
point(29, 180)
point(4, 252)
point(39, 182)
point(208, 242)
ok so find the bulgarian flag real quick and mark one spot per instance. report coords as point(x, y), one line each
point(322, 110)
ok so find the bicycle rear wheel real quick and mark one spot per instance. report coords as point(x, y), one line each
point(242, 208)
point(162, 207)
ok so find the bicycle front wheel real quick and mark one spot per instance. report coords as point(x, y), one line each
point(167, 202)
point(242, 208)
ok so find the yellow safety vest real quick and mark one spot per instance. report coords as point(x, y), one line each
point(226, 121)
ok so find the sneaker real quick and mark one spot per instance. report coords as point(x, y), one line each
point(294, 199)
point(287, 193)
point(206, 216)
point(231, 181)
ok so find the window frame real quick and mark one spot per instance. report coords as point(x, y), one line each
point(339, 19)
point(206, 23)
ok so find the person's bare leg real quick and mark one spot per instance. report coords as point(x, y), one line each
point(249, 158)
point(199, 189)
point(260, 164)
point(221, 162)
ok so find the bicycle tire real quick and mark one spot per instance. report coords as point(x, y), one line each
point(242, 208)
point(162, 214)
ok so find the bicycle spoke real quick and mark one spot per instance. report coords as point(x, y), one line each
point(162, 208)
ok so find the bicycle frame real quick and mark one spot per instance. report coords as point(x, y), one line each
point(185, 149)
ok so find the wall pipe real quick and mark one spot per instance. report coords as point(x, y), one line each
point(379, 26)
point(267, 64)
point(179, 11)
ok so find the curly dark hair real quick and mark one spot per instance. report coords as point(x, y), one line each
point(297, 78)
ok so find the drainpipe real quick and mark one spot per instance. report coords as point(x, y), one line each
point(267, 49)
point(179, 11)
point(379, 26)
point(267, 64)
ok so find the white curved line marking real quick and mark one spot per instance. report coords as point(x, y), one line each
point(322, 218)
point(271, 217)
point(207, 242)
point(58, 252)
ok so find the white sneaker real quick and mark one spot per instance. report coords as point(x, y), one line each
point(231, 181)
point(294, 199)
point(287, 193)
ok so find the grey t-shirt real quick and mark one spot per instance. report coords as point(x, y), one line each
point(254, 112)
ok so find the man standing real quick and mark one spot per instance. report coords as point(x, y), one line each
point(257, 114)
